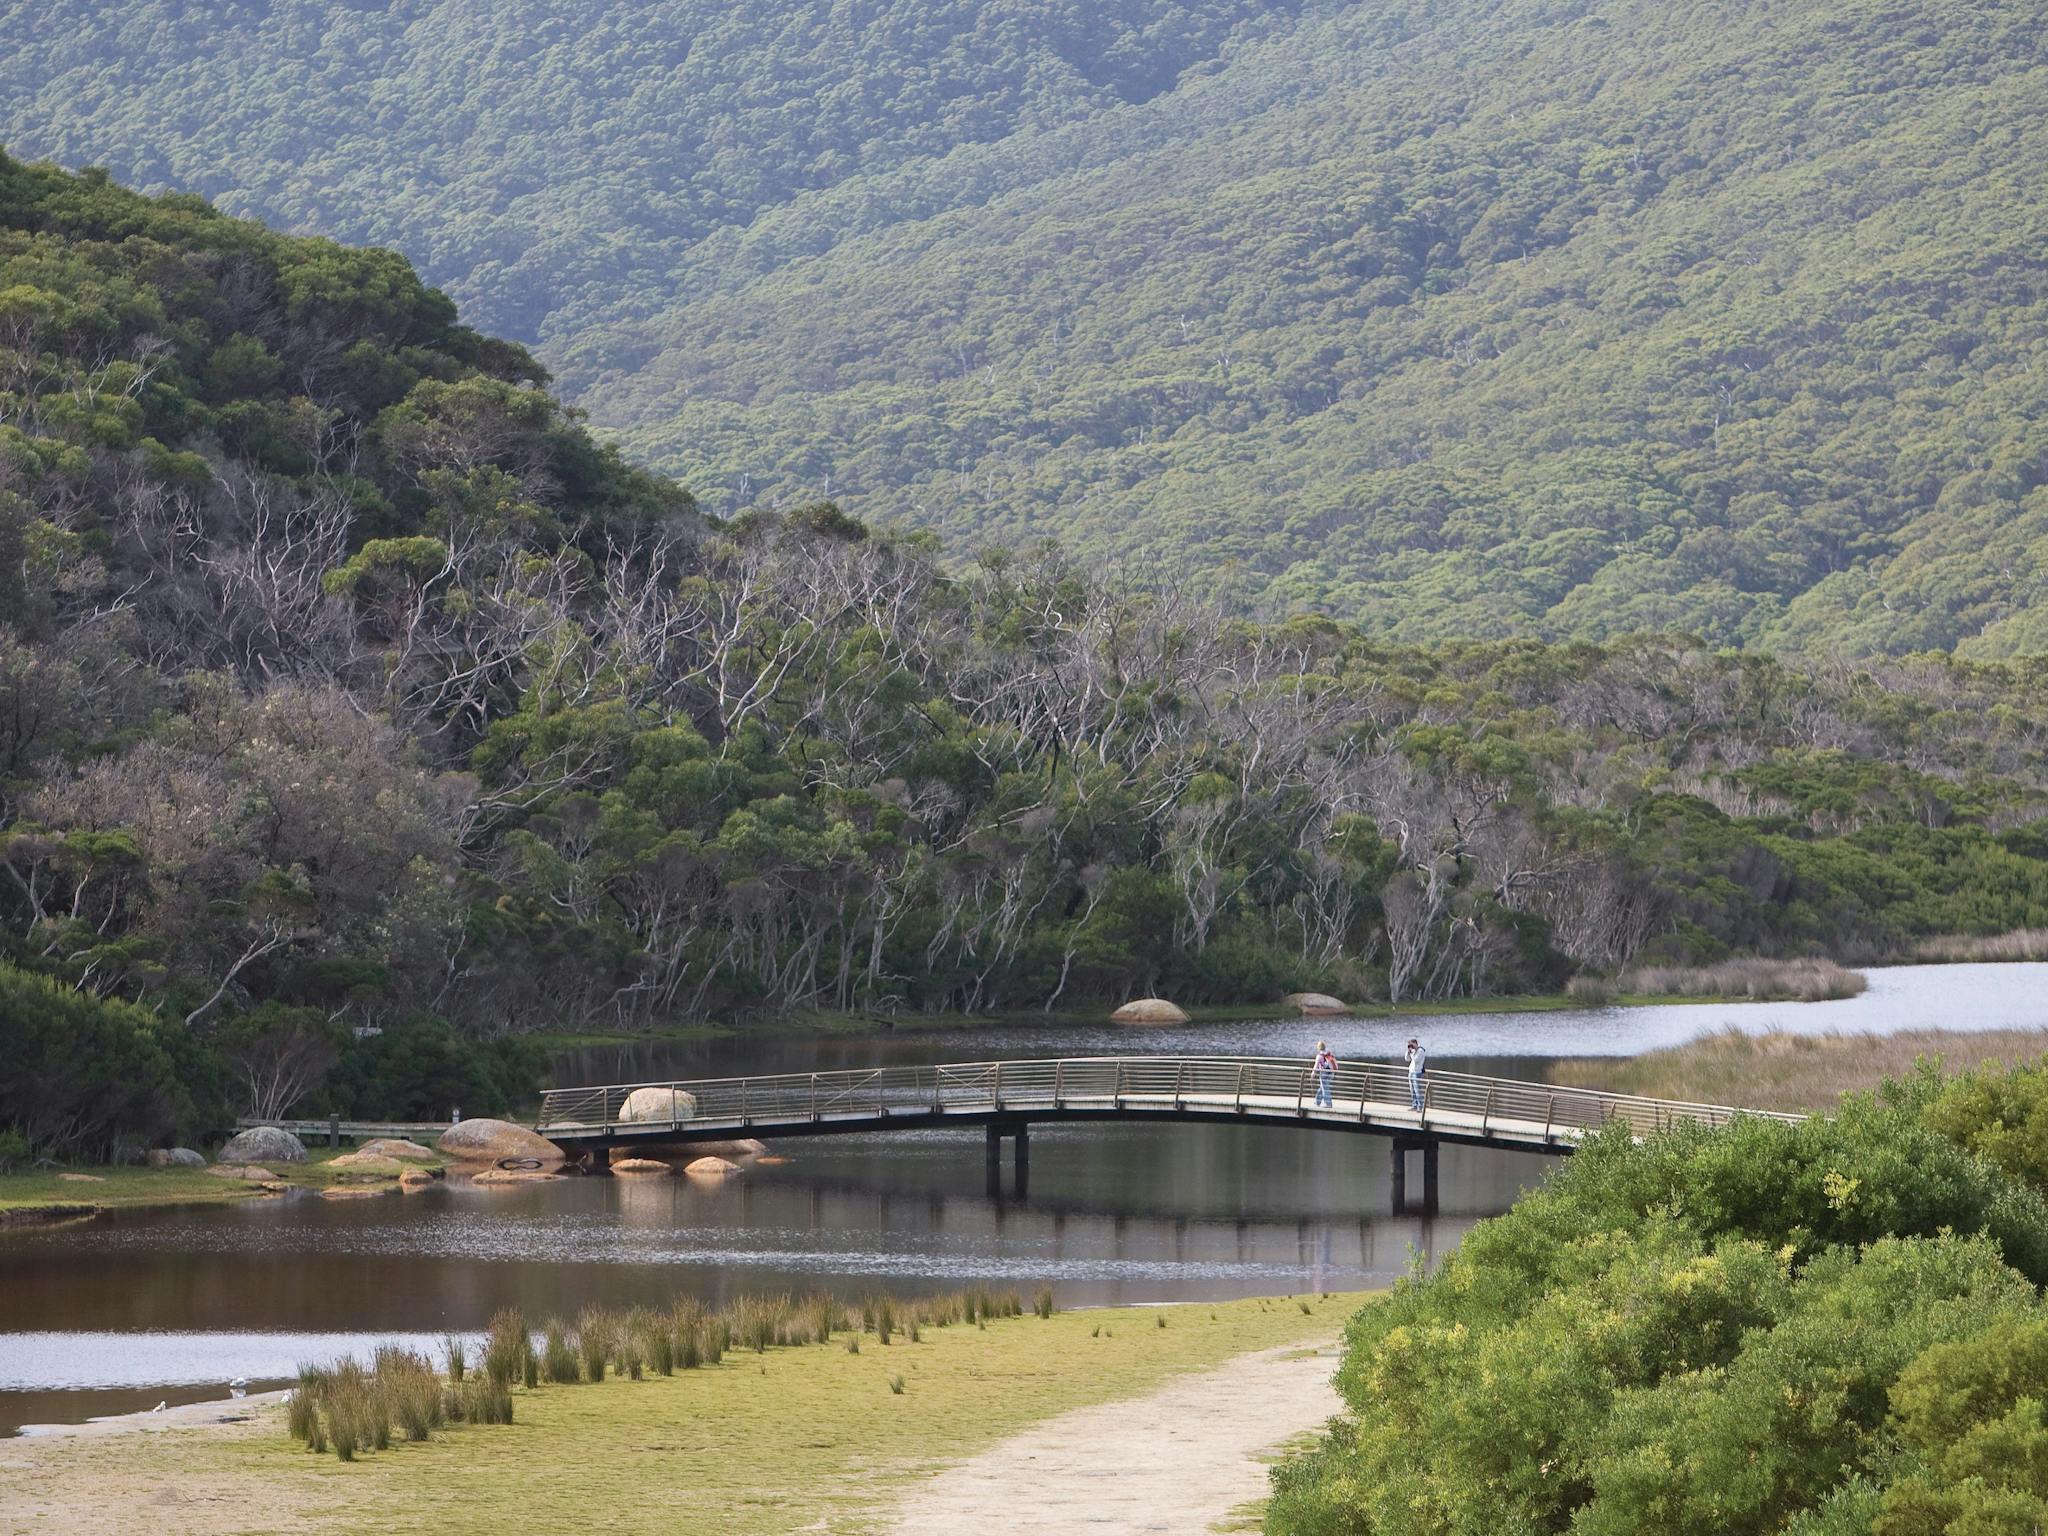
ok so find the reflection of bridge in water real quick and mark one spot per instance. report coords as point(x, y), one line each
point(1006, 1097)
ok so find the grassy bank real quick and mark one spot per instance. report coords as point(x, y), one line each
point(114, 1187)
point(804, 1438)
point(1793, 1072)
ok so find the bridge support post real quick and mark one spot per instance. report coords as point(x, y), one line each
point(1402, 1146)
point(994, 1153)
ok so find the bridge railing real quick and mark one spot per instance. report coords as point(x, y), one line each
point(1368, 1091)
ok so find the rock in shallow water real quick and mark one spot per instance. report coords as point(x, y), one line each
point(488, 1141)
point(1150, 1010)
point(639, 1165)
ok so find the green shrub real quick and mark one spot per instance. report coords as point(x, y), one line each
point(86, 1076)
point(1766, 1327)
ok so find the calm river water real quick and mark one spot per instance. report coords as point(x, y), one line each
point(125, 1311)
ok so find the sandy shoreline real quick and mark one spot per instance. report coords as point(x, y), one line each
point(226, 1410)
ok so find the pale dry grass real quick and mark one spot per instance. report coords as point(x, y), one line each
point(1806, 980)
point(1794, 1072)
point(1998, 948)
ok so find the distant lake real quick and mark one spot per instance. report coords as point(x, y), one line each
point(119, 1313)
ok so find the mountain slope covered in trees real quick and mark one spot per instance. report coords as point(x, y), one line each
point(360, 714)
point(1557, 317)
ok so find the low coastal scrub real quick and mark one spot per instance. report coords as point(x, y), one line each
point(1816, 1328)
point(1803, 980)
point(350, 1407)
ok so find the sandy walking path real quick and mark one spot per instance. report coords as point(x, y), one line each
point(1177, 1460)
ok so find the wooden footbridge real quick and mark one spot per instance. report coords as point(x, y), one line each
point(1006, 1097)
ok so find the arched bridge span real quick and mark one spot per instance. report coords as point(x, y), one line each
point(1007, 1096)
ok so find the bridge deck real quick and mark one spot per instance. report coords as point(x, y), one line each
point(1367, 1097)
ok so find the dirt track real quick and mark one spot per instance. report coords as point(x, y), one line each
point(1178, 1460)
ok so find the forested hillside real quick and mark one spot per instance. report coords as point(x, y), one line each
point(1571, 318)
point(346, 685)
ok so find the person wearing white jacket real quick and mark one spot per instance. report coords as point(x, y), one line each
point(1418, 1060)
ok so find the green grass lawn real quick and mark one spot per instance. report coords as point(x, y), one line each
point(109, 1187)
point(800, 1439)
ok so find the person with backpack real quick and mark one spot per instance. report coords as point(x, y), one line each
point(1418, 1060)
point(1326, 1073)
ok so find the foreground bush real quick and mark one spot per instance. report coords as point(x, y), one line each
point(1825, 1327)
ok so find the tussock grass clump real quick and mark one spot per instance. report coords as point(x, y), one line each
point(508, 1350)
point(1593, 991)
point(896, 1385)
point(458, 1359)
point(410, 1389)
point(1801, 981)
point(478, 1401)
point(1041, 1304)
point(350, 1408)
point(559, 1362)
point(597, 1338)
point(302, 1415)
point(878, 1316)
point(661, 1352)
point(758, 1322)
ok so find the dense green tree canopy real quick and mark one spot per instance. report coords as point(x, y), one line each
point(1557, 317)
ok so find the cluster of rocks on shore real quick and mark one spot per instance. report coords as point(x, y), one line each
point(483, 1151)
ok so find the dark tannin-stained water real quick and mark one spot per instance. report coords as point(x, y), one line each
point(119, 1313)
